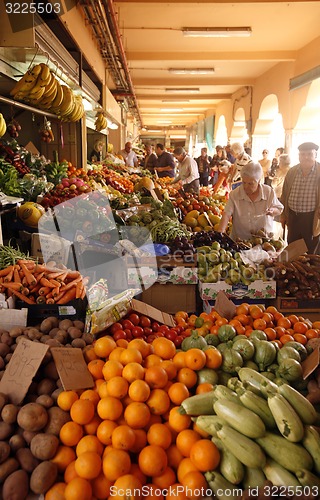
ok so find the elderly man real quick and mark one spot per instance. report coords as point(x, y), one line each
point(150, 159)
point(188, 171)
point(242, 158)
point(165, 165)
point(129, 155)
point(301, 198)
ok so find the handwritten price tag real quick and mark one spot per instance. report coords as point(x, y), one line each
point(21, 369)
point(72, 368)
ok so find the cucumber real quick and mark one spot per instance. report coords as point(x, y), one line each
point(221, 487)
point(278, 475)
point(223, 392)
point(259, 406)
point(299, 403)
point(230, 467)
point(306, 478)
point(311, 442)
point(245, 449)
point(200, 404)
point(291, 456)
point(262, 383)
point(209, 423)
point(240, 418)
point(253, 478)
point(287, 420)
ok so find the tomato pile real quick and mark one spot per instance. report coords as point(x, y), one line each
point(140, 326)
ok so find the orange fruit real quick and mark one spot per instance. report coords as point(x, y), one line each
point(141, 345)
point(204, 387)
point(164, 348)
point(259, 324)
point(117, 387)
point(176, 492)
point(104, 346)
point(179, 359)
point(116, 463)
point(135, 470)
point(123, 437)
point(70, 433)
point(82, 411)
point(78, 489)
point(56, 492)
point(91, 395)
point(152, 492)
point(300, 327)
point(185, 466)
point(177, 421)
point(284, 322)
point(88, 465)
point(270, 333)
point(188, 377)
point(213, 358)
point(299, 337)
point(152, 360)
point(152, 460)
point(133, 371)
point(101, 487)
point(127, 487)
point(312, 333)
point(140, 440)
point(89, 354)
point(103, 390)
point(174, 456)
point(64, 456)
point(286, 338)
point(185, 440)
point(170, 368)
point(105, 430)
point(66, 399)
point(194, 482)
point(92, 426)
point(116, 354)
point(205, 455)
point(242, 309)
point(111, 369)
point(130, 355)
point(109, 408)
point(95, 368)
point(139, 391)
point(178, 392)
point(89, 443)
point(255, 311)
point(195, 359)
point(158, 402)
point(70, 472)
point(122, 343)
point(166, 479)
point(137, 415)
point(156, 377)
point(160, 435)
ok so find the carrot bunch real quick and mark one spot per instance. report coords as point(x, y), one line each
point(42, 283)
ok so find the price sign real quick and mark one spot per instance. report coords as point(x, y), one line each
point(72, 368)
point(21, 369)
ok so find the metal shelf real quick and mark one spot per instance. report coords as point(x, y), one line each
point(25, 107)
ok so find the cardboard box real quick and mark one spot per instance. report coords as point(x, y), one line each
point(171, 298)
point(293, 250)
point(75, 309)
point(292, 304)
point(258, 289)
point(169, 269)
point(48, 247)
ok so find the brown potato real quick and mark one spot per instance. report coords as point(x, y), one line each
point(44, 446)
point(6, 430)
point(21, 337)
point(7, 467)
point(4, 349)
point(80, 343)
point(3, 400)
point(46, 326)
point(57, 418)
point(8, 357)
point(43, 477)
point(54, 320)
point(53, 343)
point(50, 371)
point(16, 442)
point(88, 338)
point(56, 393)
point(4, 451)
point(2, 363)
point(45, 400)
point(32, 417)
point(46, 386)
point(65, 324)
point(28, 436)
point(16, 486)
point(78, 324)
point(74, 332)
point(16, 332)
point(44, 339)
point(6, 339)
point(34, 334)
point(53, 332)
point(9, 413)
point(26, 460)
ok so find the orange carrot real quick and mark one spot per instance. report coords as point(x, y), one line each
point(55, 292)
point(9, 276)
point(68, 296)
point(6, 271)
point(54, 275)
point(41, 299)
point(13, 286)
point(50, 301)
point(16, 275)
point(30, 278)
point(39, 276)
point(23, 297)
point(83, 294)
point(35, 289)
point(44, 290)
point(55, 282)
point(71, 284)
point(73, 274)
point(49, 295)
point(47, 283)
point(79, 287)
point(25, 291)
point(62, 277)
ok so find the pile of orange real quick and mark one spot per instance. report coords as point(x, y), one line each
point(127, 432)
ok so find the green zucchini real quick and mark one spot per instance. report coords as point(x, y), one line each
point(221, 487)
point(245, 449)
point(262, 383)
point(311, 442)
point(291, 456)
point(307, 478)
point(253, 478)
point(209, 423)
point(258, 405)
point(240, 418)
point(287, 420)
point(200, 404)
point(278, 475)
point(223, 392)
point(299, 403)
point(230, 467)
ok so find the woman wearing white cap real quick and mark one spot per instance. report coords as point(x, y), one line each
point(252, 205)
point(301, 198)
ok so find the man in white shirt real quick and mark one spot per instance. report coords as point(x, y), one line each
point(188, 171)
point(129, 155)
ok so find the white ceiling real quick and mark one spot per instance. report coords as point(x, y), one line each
point(153, 41)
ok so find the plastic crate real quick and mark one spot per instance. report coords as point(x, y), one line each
point(75, 309)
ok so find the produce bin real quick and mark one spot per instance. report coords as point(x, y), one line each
point(171, 298)
point(75, 309)
point(258, 289)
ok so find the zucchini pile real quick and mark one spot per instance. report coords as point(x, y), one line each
point(264, 432)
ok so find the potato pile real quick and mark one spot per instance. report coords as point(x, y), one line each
point(29, 433)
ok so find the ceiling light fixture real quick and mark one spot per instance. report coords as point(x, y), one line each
point(218, 32)
point(191, 71)
point(187, 90)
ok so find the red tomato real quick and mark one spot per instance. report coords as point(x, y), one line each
point(134, 318)
point(127, 330)
point(115, 327)
point(171, 335)
point(155, 326)
point(147, 330)
point(137, 331)
point(126, 323)
point(119, 334)
point(164, 329)
point(151, 338)
point(129, 335)
point(178, 340)
point(159, 334)
point(145, 321)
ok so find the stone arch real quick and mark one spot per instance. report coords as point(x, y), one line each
point(222, 133)
point(268, 132)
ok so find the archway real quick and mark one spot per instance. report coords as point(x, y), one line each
point(269, 132)
point(222, 134)
point(239, 131)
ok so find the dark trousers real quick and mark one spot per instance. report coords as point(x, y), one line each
point(300, 225)
point(192, 187)
point(204, 179)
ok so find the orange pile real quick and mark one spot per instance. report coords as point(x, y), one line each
point(127, 432)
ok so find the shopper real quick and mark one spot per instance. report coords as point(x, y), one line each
point(266, 165)
point(220, 156)
point(97, 152)
point(301, 198)
point(275, 164)
point(242, 159)
point(150, 159)
point(203, 162)
point(188, 171)
point(281, 172)
point(129, 155)
point(165, 164)
point(252, 205)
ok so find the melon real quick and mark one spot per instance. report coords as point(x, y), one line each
point(30, 213)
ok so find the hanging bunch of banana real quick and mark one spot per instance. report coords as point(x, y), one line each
point(39, 87)
point(100, 122)
point(3, 125)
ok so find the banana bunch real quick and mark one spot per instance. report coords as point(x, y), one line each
point(56, 171)
point(100, 122)
point(40, 88)
point(3, 125)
